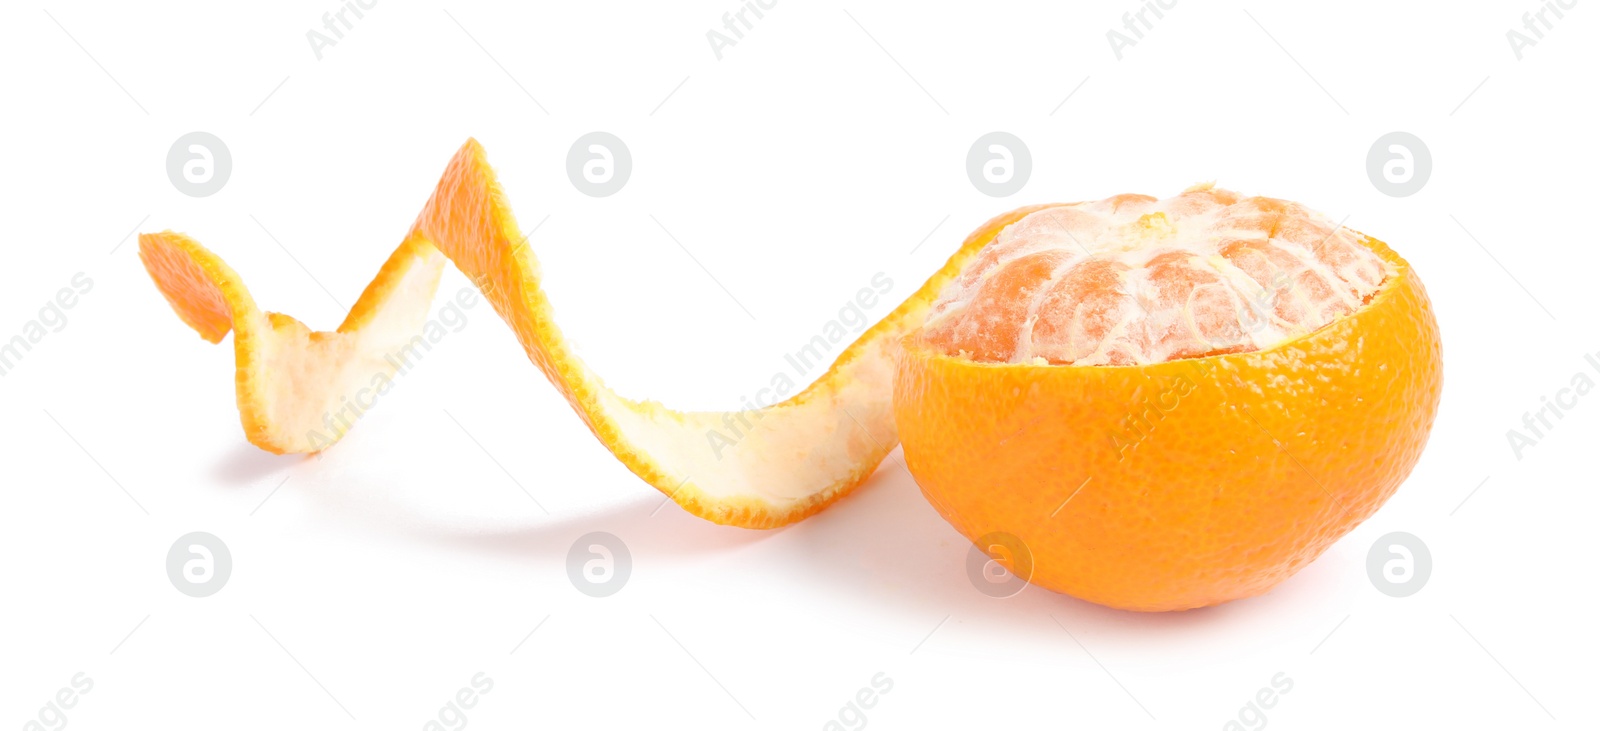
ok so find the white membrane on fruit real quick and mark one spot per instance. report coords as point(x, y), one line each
point(1135, 280)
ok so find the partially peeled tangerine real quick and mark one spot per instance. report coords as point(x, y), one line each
point(1160, 404)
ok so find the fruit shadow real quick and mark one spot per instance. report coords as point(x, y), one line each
point(889, 545)
point(653, 527)
point(886, 546)
point(246, 465)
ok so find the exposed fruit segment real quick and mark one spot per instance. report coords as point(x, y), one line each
point(1134, 280)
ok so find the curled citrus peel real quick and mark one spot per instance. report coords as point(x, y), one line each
point(297, 387)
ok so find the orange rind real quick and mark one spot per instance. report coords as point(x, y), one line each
point(298, 389)
point(1162, 405)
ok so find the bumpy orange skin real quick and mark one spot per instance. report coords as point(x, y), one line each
point(1208, 479)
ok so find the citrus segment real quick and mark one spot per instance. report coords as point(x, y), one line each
point(1132, 279)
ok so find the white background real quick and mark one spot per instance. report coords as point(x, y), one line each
point(377, 581)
